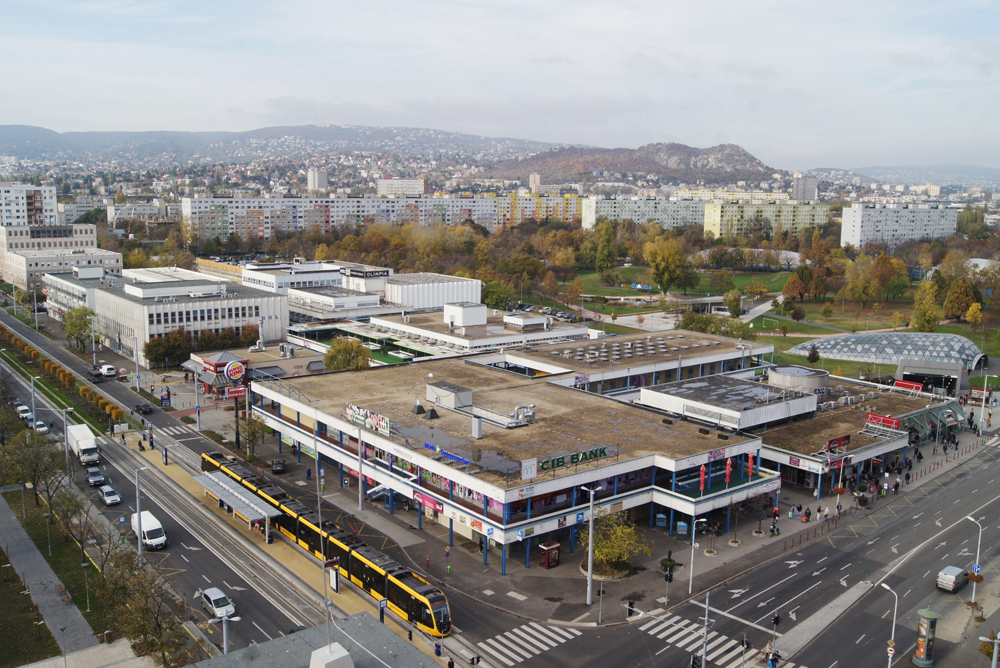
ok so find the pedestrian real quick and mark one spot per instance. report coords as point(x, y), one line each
point(309, 473)
point(907, 478)
point(816, 493)
point(799, 508)
point(826, 513)
point(840, 509)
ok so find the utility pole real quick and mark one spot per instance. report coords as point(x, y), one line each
point(704, 641)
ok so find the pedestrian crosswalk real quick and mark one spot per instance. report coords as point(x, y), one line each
point(175, 431)
point(523, 643)
point(723, 652)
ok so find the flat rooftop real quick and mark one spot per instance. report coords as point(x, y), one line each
point(332, 291)
point(64, 252)
point(423, 277)
point(735, 394)
point(118, 289)
point(434, 322)
point(567, 420)
point(810, 436)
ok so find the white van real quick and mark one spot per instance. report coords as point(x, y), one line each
point(153, 535)
point(109, 371)
point(23, 411)
point(952, 578)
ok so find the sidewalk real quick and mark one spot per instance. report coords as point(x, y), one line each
point(44, 587)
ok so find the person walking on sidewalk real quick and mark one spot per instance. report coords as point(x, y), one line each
point(826, 514)
point(309, 473)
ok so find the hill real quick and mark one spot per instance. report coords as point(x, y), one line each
point(726, 162)
point(941, 174)
point(30, 142)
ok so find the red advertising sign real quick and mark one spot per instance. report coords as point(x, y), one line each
point(237, 391)
point(371, 481)
point(838, 463)
point(428, 501)
point(907, 385)
point(883, 421)
point(839, 442)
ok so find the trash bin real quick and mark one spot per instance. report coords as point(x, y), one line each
point(549, 553)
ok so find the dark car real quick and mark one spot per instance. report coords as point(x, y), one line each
point(277, 466)
point(96, 377)
point(143, 409)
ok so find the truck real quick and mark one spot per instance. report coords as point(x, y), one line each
point(153, 536)
point(84, 444)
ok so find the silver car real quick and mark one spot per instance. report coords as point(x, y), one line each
point(109, 496)
point(94, 476)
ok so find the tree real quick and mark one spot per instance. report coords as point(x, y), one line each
point(347, 355)
point(898, 320)
point(252, 431)
point(10, 425)
point(31, 457)
point(733, 328)
point(961, 296)
point(667, 262)
point(175, 346)
point(607, 254)
point(974, 315)
point(817, 287)
point(733, 301)
point(721, 281)
point(784, 329)
point(926, 313)
point(78, 325)
point(574, 291)
point(813, 355)
point(616, 540)
point(755, 288)
point(611, 278)
point(497, 295)
point(798, 313)
point(136, 259)
point(827, 310)
point(794, 287)
point(148, 611)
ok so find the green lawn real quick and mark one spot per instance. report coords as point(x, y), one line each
point(65, 561)
point(851, 316)
point(773, 324)
point(592, 285)
point(612, 328)
point(782, 344)
point(25, 641)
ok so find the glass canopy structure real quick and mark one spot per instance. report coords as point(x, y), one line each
point(892, 347)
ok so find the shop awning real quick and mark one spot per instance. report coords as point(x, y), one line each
point(241, 501)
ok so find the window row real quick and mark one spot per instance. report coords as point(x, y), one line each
point(203, 315)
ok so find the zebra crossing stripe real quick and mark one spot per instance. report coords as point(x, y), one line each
point(525, 642)
point(736, 654)
point(499, 652)
point(711, 645)
point(530, 640)
point(514, 645)
point(721, 649)
point(549, 632)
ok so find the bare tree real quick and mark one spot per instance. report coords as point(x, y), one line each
point(31, 457)
point(252, 431)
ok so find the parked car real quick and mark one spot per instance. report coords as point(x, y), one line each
point(29, 418)
point(41, 427)
point(143, 409)
point(94, 477)
point(277, 466)
point(23, 411)
point(109, 371)
point(214, 601)
point(109, 496)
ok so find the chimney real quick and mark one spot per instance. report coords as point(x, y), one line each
point(477, 427)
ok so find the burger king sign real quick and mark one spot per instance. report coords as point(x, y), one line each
point(235, 371)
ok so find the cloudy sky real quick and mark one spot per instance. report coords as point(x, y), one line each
point(798, 84)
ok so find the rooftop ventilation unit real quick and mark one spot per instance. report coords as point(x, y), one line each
point(431, 414)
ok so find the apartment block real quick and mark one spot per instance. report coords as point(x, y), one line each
point(389, 187)
point(22, 204)
point(893, 224)
point(665, 211)
point(726, 219)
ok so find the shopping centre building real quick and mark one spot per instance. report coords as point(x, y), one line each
point(507, 446)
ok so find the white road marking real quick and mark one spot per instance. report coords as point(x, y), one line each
point(762, 592)
point(858, 641)
point(884, 614)
point(907, 592)
point(262, 631)
point(821, 560)
point(185, 558)
point(846, 566)
point(206, 579)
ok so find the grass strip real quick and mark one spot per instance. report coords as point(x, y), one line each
point(25, 640)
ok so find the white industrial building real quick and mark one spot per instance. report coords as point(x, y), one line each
point(29, 251)
point(425, 290)
point(666, 211)
point(22, 204)
point(280, 277)
point(144, 304)
point(390, 187)
point(893, 224)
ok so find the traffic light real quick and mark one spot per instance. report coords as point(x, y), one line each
point(695, 661)
point(474, 661)
point(745, 644)
point(668, 576)
point(776, 620)
point(631, 608)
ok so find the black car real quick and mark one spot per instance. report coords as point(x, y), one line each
point(96, 377)
point(143, 409)
point(277, 466)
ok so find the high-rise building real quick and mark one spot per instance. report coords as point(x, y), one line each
point(317, 180)
point(22, 204)
point(534, 180)
point(400, 187)
point(805, 188)
point(893, 224)
point(729, 219)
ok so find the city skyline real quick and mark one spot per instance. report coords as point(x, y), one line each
point(797, 86)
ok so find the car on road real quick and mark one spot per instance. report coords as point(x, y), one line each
point(41, 427)
point(215, 602)
point(96, 377)
point(952, 578)
point(278, 466)
point(94, 477)
point(109, 496)
point(143, 409)
point(109, 371)
point(29, 418)
point(23, 411)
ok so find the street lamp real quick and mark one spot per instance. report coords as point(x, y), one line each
point(590, 547)
point(225, 630)
point(978, 545)
point(48, 533)
point(694, 531)
point(93, 344)
point(135, 353)
point(62, 630)
point(34, 415)
point(361, 477)
point(982, 412)
point(138, 508)
point(996, 644)
point(895, 606)
point(86, 581)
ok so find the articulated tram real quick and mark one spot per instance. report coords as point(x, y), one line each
point(409, 595)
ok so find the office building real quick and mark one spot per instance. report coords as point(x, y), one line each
point(392, 187)
point(665, 211)
point(805, 188)
point(727, 219)
point(149, 303)
point(893, 224)
point(279, 277)
point(22, 204)
point(28, 252)
point(317, 180)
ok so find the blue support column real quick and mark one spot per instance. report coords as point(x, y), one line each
point(503, 560)
point(451, 522)
point(652, 504)
point(420, 516)
point(708, 476)
point(527, 541)
point(673, 488)
point(819, 483)
point(701, 370)
point(777, 492)
point(729, 514)
point(743, 467)
point(691, 529)
point(340, 473)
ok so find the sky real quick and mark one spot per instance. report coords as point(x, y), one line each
point(798, 84)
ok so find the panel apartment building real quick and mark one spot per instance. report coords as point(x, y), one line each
point(262, 216)
point(726, 219)
point(893, 224)
point(666, 211)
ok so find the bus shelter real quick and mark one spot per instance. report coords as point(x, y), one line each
point(236, 500)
